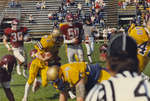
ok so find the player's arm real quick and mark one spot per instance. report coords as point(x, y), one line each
point(69, 41)
point(80, 90)
point(147, 31)
point(26, 36)
point(6, 43)
point(44, 56)
point(63, 96)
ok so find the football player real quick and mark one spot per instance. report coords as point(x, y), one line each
point(77, 75)
point(89, 37)
point(103, 52)
point(141, 36)
point(47, 55)
point(7, 63)
point(16, 35)
point(73, 34)
point(125, 83)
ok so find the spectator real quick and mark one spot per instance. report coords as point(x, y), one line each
point(31, 19)
point(120, 4)
point(43, 6)
point(12, 4)
point(79, 6)
point(102, 23)
point(72, 2)
point(87, 2)
point(105, 32)
point(38, 6)
point(18, 5)
point(50, 15)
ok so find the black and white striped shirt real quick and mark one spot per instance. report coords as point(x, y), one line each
point(124, 86)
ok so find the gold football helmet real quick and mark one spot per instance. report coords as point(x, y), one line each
point(56, 33)
point(52, 73)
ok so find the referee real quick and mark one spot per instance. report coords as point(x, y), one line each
point(126, 84)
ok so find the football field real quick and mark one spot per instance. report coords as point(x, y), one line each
point(48, 93)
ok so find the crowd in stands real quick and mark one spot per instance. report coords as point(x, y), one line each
point(96, 12)
point(14, 4)
point(96, 9)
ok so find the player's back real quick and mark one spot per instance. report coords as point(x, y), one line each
point(124, 86)
point(73, 71)
point(139, 34)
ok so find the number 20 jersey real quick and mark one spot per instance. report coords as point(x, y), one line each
point(72, 30)
point(140, 35)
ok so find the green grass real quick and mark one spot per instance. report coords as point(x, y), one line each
point(48, 93)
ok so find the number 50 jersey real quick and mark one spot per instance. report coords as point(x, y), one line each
point(140, 35)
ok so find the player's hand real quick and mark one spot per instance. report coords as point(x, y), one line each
point(76, 40)
point(9, 49)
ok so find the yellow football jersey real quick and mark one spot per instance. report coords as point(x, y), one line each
point(140, 35)
point(131, 27)
point(105, 75)
point(72, 72)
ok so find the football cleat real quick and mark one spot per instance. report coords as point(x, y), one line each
point(36, 85)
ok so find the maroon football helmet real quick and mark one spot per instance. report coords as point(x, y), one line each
point(15, 24)
point(103, 48)
point(15, 21)
point(69, 17)
point(8, 62)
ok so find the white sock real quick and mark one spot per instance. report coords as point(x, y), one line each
point(72, 96)
point(26, 91)
point(90, 59)
point(24, 73)
point(18, 69)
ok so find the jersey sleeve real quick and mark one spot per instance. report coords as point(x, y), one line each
point(97, 93)
point(7, 32)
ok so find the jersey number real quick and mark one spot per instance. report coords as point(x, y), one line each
point(142, 48)
point(73, 32)
point(17, 37)
point(137, 92)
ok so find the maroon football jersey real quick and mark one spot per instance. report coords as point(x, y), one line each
point(15, 37)
point(72, 31)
